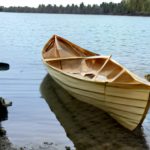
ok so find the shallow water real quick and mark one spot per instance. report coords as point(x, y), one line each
point(22, 37)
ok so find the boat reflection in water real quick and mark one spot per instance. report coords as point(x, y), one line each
point(88, 127)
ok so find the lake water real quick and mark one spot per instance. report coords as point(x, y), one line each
point(22, 37)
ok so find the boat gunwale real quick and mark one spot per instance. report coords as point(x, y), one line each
point(139, 80)
point(144, 100)
point(130, 99)
point(108, 82)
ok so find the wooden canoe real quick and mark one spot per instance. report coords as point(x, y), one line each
point(98, 80)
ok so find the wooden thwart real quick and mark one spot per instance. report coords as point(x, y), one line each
point(102, 67)
point(70, 58)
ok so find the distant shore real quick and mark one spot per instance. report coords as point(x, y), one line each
point(124, 8)
point(130, 15)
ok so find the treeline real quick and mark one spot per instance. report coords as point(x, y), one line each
point(137, 7)
point(104, 8)
point(125, 7)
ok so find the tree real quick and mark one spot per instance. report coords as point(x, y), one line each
point(1, 8)
point(129, 7)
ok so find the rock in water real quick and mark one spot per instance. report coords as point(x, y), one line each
point(147, 77)
point(3, 109)
point(4, 66)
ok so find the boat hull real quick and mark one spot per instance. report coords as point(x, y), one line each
point(126, 106)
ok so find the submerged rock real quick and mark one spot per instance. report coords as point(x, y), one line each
point(3, 109)
point(5, 144)
point(4, 66)
point(2, 130)
point(147, 77)
point(3, 114)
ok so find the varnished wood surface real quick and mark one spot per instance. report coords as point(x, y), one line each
point(125, 114)
point(99, 81)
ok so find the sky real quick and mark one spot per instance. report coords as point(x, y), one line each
point(35, 3)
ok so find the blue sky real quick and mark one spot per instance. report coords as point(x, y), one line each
point(35, 3)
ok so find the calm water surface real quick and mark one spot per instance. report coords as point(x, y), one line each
point(22, 36)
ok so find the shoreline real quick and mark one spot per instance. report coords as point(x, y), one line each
point(125, 15)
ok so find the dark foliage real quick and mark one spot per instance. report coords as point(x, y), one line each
point(125, 7)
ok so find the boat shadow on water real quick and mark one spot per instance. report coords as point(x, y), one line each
point(88, 127)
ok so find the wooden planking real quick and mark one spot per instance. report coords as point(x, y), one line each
point(119, 100)
point(103, 105)
point(135, 110)
point(127, 93)
point(101, 99)
point(99, 87)
point(125, 101)
point(87, 100)
point(131, 109)
point(108, 99)
point(125, 108)
point(129, 115)
point(124, 114)
point(126, 123)
point(76, 83)
point(127, 119)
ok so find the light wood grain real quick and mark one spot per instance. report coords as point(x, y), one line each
point(98, 80)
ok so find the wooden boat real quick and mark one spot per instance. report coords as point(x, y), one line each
point(98, 80)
